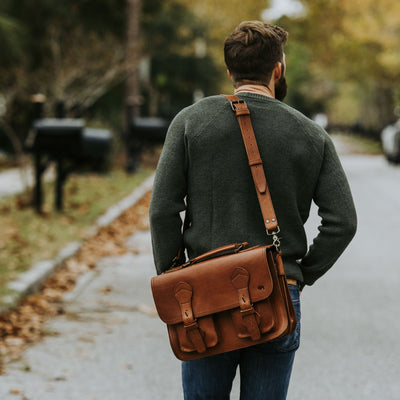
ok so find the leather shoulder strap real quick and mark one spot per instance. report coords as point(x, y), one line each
point(260, 182)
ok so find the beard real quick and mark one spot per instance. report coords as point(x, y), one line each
point(281, 88)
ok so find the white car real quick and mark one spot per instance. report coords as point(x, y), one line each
point(390, 138)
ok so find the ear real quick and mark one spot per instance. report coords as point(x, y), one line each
point(278, 70)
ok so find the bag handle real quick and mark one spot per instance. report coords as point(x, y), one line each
point(212, 253)
point(242, 112)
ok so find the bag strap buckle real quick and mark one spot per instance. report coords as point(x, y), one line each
point(234, 102)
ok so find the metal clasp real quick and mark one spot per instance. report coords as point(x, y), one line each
point(240, 247)
point(276, 242)
point(274, 232)
point(234, 102)
point(275, 239)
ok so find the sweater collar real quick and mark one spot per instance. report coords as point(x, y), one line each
point(258, 89)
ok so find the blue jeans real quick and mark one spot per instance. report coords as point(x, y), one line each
point(265, 369)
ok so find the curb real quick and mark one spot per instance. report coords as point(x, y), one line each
point(29, 282)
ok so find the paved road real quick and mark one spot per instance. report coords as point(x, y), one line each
point(110, 345)
point(350, 329)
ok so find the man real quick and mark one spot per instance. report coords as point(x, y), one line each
point(203, 170)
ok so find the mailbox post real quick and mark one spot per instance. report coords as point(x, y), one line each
point(39, 169)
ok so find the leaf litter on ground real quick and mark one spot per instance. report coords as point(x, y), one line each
point(23, 325)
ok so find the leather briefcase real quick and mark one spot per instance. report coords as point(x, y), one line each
point(219, 302)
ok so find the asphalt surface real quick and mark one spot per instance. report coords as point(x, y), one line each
point(111, 345)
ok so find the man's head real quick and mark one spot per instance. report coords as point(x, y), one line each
point(253, 51)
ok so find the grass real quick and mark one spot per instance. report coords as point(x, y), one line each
point(359, 144)
point(26, 237)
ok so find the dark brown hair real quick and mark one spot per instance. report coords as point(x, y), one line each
point(253, 49)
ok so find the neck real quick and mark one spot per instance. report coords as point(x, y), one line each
point(254, 88)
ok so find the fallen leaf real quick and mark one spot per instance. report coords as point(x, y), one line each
point(25, 324)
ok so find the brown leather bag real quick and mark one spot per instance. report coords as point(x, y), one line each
point(231, 297)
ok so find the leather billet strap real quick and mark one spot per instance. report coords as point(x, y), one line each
point(240, 280)
point(183, 294)
point(243, 116)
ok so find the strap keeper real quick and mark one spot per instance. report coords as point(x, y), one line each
point(191, 326)
point(257, 161)
point(248, 311)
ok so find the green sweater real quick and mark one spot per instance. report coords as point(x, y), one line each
point(204, 165)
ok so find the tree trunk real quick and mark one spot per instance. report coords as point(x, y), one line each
point(133, 47)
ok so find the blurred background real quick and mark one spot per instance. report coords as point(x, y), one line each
point(99, 57)
point(87, 90)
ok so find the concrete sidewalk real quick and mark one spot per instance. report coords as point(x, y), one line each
point(15, 180)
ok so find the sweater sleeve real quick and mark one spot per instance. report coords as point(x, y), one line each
point(168, 198)
point(338, 217)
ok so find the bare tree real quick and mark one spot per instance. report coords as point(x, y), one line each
point(83, 69)
point(133, 50)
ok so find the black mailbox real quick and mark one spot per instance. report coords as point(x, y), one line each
point(150, 129)
point(144, 130)
point(69, 138)
point(57, 137)
point(96, 143)
point(71, 145)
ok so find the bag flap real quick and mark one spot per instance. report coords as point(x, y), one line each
point(213, 290)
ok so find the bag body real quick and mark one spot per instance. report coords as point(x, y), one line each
point(221, 302)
